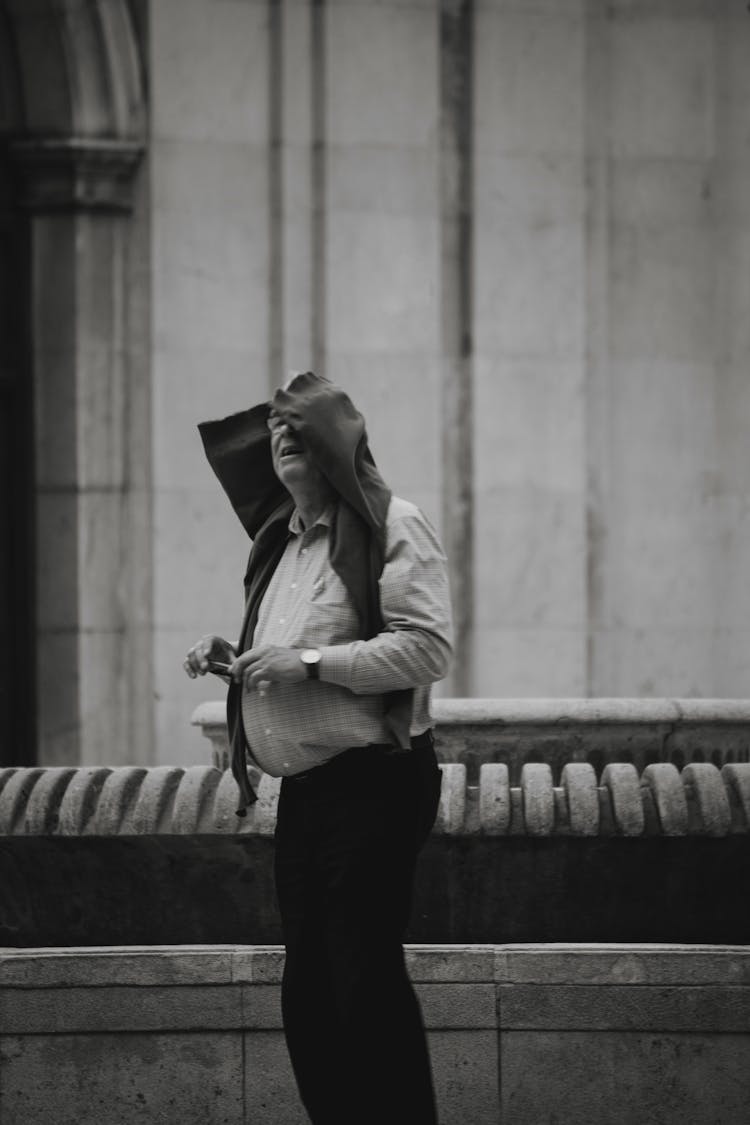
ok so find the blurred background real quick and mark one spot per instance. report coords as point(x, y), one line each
point(518, 233)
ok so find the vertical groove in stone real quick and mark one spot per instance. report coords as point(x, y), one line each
point(318, 187)
point(456, 204)
point(597, 404)
point(726, 360)
point(275, 196)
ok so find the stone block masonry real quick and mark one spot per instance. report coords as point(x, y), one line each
point(525, 1034)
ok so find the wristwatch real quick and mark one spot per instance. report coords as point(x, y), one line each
point(310, 657)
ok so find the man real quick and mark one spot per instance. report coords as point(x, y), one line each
point(347, 624)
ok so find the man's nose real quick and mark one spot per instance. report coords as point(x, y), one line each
point(285, 431)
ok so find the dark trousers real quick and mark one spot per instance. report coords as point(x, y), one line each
point(347, 839)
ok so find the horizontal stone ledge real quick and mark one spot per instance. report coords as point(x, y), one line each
point(171, 800)
point(460, 987)
point(574, 711)
point(502, 713)
point(575, 964)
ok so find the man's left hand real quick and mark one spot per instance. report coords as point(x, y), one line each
point(268, 664)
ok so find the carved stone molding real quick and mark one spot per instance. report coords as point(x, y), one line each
point(76, 174)
point(79, 68)
point(700, 800)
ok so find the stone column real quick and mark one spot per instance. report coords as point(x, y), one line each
point(667, 345)
point(79, 193)
point(456, 265)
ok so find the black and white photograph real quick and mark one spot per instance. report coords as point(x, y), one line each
point(374, 562)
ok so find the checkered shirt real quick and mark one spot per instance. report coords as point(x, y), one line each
point(294, 727)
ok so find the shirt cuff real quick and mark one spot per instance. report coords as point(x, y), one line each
point(336, 665)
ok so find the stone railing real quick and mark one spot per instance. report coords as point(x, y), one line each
point(558, 731)
point(515, 768)
point(536, 838)
point(518, 1033)
point(172, 800)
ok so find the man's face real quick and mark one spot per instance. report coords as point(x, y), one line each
point(290, 459)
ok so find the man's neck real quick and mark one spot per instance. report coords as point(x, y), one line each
point(310, 505)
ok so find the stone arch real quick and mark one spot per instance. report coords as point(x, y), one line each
point(80, 102)
point(79, 68)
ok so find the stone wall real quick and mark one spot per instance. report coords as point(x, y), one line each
point(618, 1034)
point(516, 233)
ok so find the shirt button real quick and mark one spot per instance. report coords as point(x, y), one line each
point(282, 620)
point(294, 585)
point(267, 731)
point(303, 551)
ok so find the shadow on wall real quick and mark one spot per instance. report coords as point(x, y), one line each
point(157, 890)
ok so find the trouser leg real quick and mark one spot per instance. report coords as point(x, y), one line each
point(311, 1024)
point(345, 903)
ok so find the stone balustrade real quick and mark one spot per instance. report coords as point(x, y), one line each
point(557, 731)
point(536, 838)
point(171, 800)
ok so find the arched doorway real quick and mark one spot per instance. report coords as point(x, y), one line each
point(71, 136)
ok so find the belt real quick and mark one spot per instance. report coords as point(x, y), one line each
point(423, 741)
point(345, 760)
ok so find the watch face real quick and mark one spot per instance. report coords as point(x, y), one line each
point(310, 657)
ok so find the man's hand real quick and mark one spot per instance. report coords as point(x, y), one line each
point(208, 650)
point(268, 664)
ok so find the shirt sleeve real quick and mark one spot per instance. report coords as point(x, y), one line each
point(414, 647)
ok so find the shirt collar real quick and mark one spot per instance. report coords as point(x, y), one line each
point(325, 519)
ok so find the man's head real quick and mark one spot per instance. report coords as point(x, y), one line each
point(308, 442)
point(296, 469)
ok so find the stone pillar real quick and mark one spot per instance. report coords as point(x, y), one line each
point(529, 324)
point(79, 193)
point(667, 402)
point(457, 329)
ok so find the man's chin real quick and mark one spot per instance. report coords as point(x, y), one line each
point(292, 469)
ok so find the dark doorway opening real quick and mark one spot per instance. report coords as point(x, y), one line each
point(17, 565)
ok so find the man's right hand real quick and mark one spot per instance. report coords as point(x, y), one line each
point(208, 650)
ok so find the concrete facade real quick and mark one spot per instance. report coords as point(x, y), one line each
point(517, 232)
point(596, 440)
